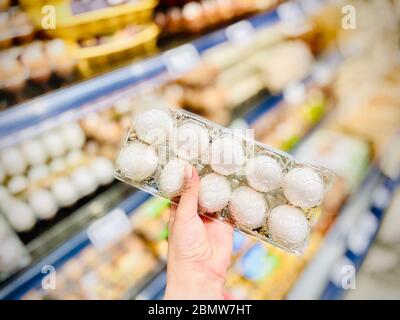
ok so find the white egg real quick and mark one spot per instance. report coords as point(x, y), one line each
point(74, 157)
point(10, 254)
point(54, 144)
point(248, 207)
point(4, 232)
point(2, 174)
point(4, 195)
point(13, 162)
point(288, 225)
point(57, 165)
point(38, 172)
point(17, 184)
point(5, 198)
point(227, 156)
point(65, 192)
point(103, 170)
point(153, 126)
point(263, 173)
point(34, 152)
point(171, 178)
point(190, 141)
point(20, 216)
point(84, 181)
point(73, 135)
point(137, 161)
point(215, 192)
point(303, 187)
point(43, 203)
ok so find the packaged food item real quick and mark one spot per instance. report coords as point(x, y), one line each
point(259, 190)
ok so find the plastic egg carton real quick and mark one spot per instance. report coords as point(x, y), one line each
point(258, 190)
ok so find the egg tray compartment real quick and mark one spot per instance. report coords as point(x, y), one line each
point(273, 198)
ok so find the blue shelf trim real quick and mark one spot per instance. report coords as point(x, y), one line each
point(334, 292)
point(32, 277)
point(262, 108)
point(155, 289)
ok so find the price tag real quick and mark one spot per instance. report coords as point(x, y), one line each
point(311, 6)
point(240, 32)
point(360, 236)
point(138, 69)
point(180, 60)
point(295, 94)
point(322, 74)
point(40, 107)
point(290, 12)
point(109, 229)
point(381, 197)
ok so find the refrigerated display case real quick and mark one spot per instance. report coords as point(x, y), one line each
point(292, 88)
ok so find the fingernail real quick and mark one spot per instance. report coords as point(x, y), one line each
point(188, 172)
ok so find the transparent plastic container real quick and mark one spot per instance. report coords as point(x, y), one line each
point(258, 190)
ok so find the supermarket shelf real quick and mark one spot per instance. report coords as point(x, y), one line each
point(361, 238)
point(262, 108)
point(72, 102)
point(318, 280)
point(155, 289)
point(32, 277)
point(39, 109)
point(151, 287)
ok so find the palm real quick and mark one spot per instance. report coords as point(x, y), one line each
point(204, 242)
point(199, 249)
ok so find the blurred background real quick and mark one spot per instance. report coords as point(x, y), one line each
point(319, 79)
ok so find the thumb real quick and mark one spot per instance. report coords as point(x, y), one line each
point(187, 208)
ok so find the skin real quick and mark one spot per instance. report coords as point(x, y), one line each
point(199, 249)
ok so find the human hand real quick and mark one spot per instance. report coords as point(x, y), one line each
point(199, 249)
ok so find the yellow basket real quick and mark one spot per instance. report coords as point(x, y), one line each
point(88, 24)
point(33, 3)
point(99, 58)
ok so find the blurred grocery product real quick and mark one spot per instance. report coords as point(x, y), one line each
point(16, 26)
point(344, 154)
point(49, 172)
point(264, 272)
point(33, 68)
point(78, 19)
point(151, 222)
point(286, 124)
point(177, 17)
point(369, 108)
point(118, 270)
point(87, 38)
